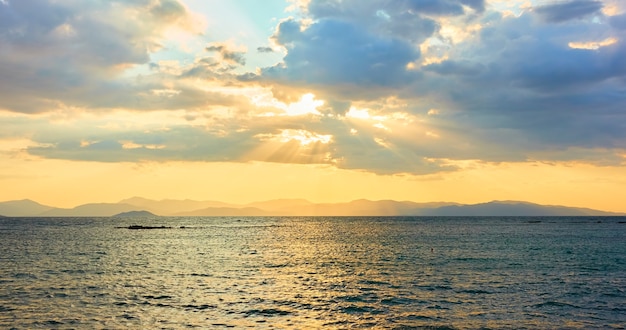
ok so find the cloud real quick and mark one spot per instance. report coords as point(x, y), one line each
point(393, 19)
point(618, 21)
point(336, 52)
point(515, 90)
point(388, 9)
point(265, 50)
point(300, 139)
point(227, 54)
point(522, 79)
point(388, 87)
point(167, 136)
point(69, 53)
point(354, 49)
point(451, 67)
point(168, 11)
point(445, 7)
point(566, 11)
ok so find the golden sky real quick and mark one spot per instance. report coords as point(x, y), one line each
point(331, 101)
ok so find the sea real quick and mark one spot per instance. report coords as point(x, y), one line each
point(313, 273)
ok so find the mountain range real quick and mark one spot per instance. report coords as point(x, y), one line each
point(293, 207)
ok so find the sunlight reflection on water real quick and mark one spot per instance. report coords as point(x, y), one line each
point(312, 273)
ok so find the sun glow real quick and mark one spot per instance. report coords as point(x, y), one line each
point(293, 146)
point(358, 113)
point(364, 114)
point(303, 137)
point(306, 105)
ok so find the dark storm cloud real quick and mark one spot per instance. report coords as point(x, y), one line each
point(566, 11)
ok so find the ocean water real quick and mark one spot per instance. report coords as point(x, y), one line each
point(313, 272)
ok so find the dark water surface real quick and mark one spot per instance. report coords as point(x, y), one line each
point(324, 272)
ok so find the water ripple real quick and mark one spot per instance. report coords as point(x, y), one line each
point(390, 273)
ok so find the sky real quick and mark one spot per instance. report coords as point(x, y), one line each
point(329, 100)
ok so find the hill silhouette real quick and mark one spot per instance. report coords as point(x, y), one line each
point(292, 207)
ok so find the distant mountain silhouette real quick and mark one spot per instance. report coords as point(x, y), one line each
point(23, 208)
point(132, 214)
point(91, 210)
point(172, 206)
point(362, 207)
point(513, 208)
point(294, 207)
